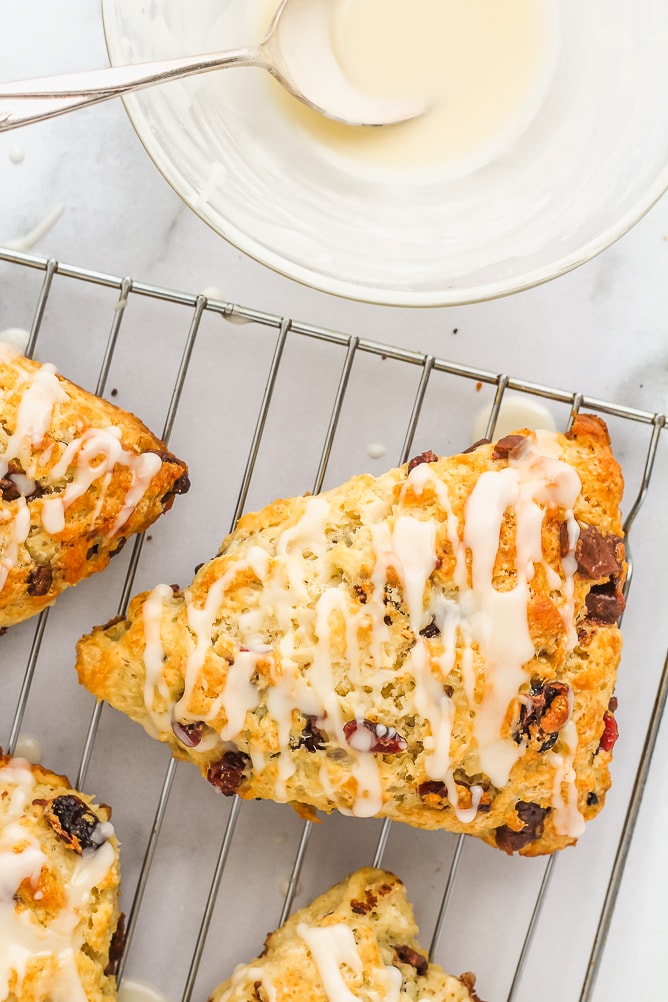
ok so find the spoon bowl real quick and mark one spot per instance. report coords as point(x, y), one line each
point(297, 51)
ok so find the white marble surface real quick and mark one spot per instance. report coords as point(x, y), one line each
point(602, 329)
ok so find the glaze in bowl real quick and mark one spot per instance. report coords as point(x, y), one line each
point(591, 162)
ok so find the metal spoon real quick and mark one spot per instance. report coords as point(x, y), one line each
point(296, 50)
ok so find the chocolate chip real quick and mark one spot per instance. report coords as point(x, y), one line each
point(597, 555)
point(75, 823)
point(116, 946)
point(550, 742)
point(9, 490)
point(435, 793)
point(430, 631)
point(424, 457)
point(476, 445)
point(189, 735)
point(228, 774)
point(605, 602)
point(509, 447)
point(119, 546)
point(592, 799)
point(40, 581)
point(533, 818)
point(92, 551)
point(311, 737)
point(182, 485)
point(37, 492)
point(407, 955)
point(364, 735)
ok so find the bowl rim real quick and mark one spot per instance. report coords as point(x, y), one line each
point(462, 296)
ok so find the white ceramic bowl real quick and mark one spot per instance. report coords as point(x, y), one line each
point(590, 164)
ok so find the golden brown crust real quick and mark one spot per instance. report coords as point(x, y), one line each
point(370, 919)
point(352, 651)
point(78, 476)
point(61, 833)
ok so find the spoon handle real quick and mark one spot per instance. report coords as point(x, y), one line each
point(25, 101)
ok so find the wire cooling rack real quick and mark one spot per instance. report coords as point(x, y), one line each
point(261, 405)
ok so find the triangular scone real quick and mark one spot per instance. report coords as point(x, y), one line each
point(437, 645)
point(77, 477)
point(356, 941)
point(61, 930)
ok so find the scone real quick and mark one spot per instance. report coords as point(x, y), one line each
point(59, 876)
point(356, 941)
point(437, 645)
point(77, 477)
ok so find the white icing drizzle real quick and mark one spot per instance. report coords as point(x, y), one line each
point(568, 819)
point(414, 547)
point(244, 975)
point(304, 605)
point(28, 240)
point(19, 529)
point(332, 948)
point(432, 703)
point(464, 814)
point(154, 658)
point(33, 415)
point(132, 990)
point(28, 747)
point(239, 695)
point(499, 619)
point(90, 457)
point(22, 938)
point(94, 455)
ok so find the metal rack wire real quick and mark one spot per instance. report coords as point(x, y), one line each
point(280, 331)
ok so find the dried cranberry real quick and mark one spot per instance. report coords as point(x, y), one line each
point(75, 823)
point(610, 733)
point(424, 457)
point(365, 736)
point(188, 734)
point(227, 774)
point(407, 955)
